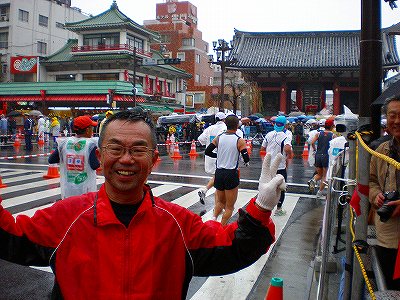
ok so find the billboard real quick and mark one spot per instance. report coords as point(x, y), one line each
point(23, 64)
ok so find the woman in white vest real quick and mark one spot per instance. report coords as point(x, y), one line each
point(77, 158)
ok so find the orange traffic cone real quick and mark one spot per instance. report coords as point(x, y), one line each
point(41, 140)
point(275, 290)
point(17, 141)
point(248, 146)
point(305, 150)
point(158, 152)
point(2, 185)
point(52, 172)
point(193, 152)
point(176, 154)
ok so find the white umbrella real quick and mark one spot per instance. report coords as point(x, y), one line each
point(310, 121)
point(35, 113)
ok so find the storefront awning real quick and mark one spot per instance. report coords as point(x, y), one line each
point(69, 98)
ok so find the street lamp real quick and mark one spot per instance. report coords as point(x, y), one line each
point(222, 50)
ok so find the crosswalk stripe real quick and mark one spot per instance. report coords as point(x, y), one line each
point(25, 177)
point(34, 196)
point(162, 189)
point(25, 186)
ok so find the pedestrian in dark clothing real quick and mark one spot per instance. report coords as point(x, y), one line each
point(12, 127)
point(3, 129)
point(28, 131)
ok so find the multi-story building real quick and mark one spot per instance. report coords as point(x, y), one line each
point(32, 29)
point(176, 22)
point(108, 64)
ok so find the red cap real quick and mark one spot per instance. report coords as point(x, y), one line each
point(329, 123)
point(83, 122)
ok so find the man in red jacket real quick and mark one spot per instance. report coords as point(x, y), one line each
point(124, 243)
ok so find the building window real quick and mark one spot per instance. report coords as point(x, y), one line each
point(43, 21)
point(41, 47)
point(133, 41)
point(101, 76)
point(188, 42)
point(180, 55)
point(165, 38)
point(59, 25)
point(23, 15)
point(206, 47)
point(4, 69)
point(211, 81)
point(69, 77)
point(104, 39)
point(199, 97)
point(3, 39)
point(4, 13)
point(197, 78)
point(198, 58)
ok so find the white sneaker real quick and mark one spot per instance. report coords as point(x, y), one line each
point(320, 194)
point(311, 185)
point(280, 212)
point(202, 195)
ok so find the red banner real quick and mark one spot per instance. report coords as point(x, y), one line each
point(23, 64)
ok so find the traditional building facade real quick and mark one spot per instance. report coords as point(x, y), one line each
point(176, 22)
point(99, 68)
point(308, 63)
point(31, 29)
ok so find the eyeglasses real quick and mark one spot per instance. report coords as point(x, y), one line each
point(117, 151)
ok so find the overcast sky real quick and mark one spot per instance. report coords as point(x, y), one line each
point(218, 18)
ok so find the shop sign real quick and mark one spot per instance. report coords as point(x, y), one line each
point(24, 64)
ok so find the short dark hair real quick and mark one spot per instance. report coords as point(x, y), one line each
point(136, 114)
point(232, 122)
point(388, 100)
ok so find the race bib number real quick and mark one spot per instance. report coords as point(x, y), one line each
point(75, 162)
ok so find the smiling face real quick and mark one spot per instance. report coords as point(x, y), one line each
point(393, 119)
point(126, 175)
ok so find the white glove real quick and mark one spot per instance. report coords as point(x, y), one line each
point(270, 185)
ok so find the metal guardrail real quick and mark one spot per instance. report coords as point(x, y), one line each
point(338, 189)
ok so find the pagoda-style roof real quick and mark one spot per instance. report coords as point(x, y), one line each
point(111, 19)
point(69, 87)
point(65, 55)
point(305, 51)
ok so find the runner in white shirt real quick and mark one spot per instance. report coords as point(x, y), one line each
point(210, 163)
point(279, 141)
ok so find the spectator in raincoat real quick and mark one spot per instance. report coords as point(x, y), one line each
point(55, 130)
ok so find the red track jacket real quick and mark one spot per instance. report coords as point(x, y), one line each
point(94, 256)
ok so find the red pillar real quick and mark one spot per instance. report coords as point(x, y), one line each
point(299, 99)
point(283, 98)
point(336, 99)
point(323, 99)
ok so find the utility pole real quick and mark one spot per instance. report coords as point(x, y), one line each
point(134, 77)
point(222, 50)
point(370, 89)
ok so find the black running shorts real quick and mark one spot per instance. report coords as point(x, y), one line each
point(226, 179)
point(321, 160)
